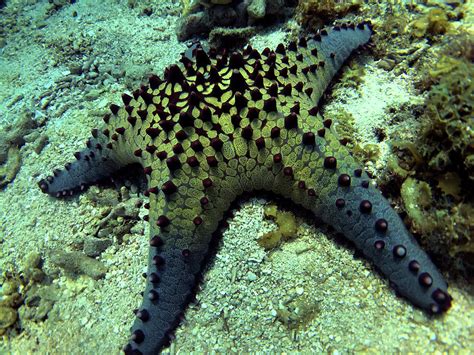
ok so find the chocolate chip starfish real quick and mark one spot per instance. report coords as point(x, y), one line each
point(220, 124)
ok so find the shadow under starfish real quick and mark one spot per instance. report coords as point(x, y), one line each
point(221, 124)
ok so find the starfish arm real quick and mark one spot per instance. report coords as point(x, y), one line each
point(368, 220)
point(171, 279)
point(339, 45)
point(92, 164)
point(181, 227)
point(343, 196)
point(114, 146)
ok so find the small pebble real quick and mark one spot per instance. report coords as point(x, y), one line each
point(251, 276)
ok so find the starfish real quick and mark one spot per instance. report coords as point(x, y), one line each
point(220, 124)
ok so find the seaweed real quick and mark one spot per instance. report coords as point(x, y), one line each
point(438, 195)
point(286, 230)
point(434, 23)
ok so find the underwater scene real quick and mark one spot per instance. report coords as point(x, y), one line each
point(235, 176)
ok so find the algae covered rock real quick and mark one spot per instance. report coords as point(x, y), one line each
point(417, 198)
point(76, 263)
point(436, 170)
point(202, 17)
point(12, 138)
point(94, 246)
point(8, 317)
point(25, 295)
point(314, 13)
point(38, 302)
point(449, 109)
point(256, 9)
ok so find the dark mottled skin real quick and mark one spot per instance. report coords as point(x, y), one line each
point(225, 123)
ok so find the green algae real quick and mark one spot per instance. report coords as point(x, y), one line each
point(345, 125)
point(369, 152)
point(286, 227)
point(434, 23)
point(353, 76)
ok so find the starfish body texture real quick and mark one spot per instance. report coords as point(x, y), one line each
point(220, 124)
